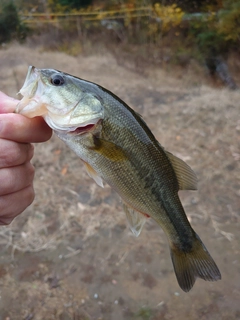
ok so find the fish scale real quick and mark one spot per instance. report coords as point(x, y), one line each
point(117, 147)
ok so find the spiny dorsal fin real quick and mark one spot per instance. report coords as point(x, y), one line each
point(187, 179)
point(135, 219)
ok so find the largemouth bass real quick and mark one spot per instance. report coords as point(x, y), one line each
point(117, 147)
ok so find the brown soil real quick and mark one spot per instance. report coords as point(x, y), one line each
point(71, 255)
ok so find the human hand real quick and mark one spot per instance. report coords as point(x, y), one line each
point(16, 172)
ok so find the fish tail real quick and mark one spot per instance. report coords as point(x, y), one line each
point(195, 263)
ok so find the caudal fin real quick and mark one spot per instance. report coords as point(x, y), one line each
point(194, 264)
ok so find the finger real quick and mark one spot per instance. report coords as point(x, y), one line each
point(21, 129)
point(16, 178)
point(7, 104)
point(13, 204)
point(14, 153)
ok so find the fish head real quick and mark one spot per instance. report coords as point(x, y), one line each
point(62, 100)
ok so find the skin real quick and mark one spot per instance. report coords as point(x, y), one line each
point(17, 133)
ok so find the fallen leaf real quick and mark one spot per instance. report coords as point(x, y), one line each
point(64, 170)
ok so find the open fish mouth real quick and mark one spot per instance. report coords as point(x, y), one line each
point(84, 129)
point(81, 129)
point(31, 91)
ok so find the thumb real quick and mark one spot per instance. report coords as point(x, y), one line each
point(7, 104)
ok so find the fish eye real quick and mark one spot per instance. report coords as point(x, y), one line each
point(57, 80)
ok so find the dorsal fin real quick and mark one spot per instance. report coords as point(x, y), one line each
point(187, 179)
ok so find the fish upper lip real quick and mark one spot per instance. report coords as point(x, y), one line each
point(31, 78)
point(28, 90)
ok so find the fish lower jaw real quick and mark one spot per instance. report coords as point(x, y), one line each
point(73, 130)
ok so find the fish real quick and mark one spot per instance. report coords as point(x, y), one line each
point(118, 148)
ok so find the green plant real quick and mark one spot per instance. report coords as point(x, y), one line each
point(229, 21)
point(10, 24)
point(68, 5)
point(145, 313)
point(205, 34)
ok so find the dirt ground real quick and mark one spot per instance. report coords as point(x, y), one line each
point(71, 254)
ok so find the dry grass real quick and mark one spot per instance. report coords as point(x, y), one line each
point(78, 229)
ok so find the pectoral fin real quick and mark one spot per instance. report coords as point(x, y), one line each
point(93, 174)
point(187, 179)
point(135, 219)
point(108, 149)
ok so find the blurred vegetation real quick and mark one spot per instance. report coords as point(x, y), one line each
point(11, 26)
point(145, 313)
point(67, 5)
point(229, 21)
point(157, 31)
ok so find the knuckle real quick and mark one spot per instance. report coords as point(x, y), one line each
point(6, 221)
point(12, 153)
point(13, 204)
point(16, 178)
point(8, 214)
point(30, 170)
point(31, 151)
point(9, 153)
point(31, 195)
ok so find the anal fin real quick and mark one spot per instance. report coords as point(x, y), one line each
point(135, 219)
point(93, 174)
